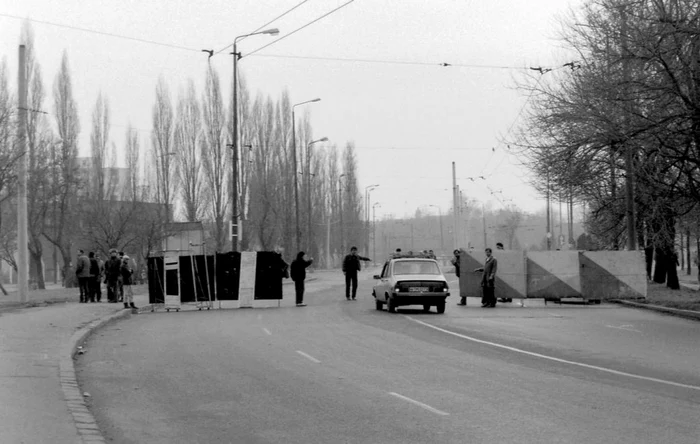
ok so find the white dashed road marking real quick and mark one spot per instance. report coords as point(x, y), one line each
point(552, 358)
point(267, 331)
point(309, 357)
point(420, 404)
point(626, 327)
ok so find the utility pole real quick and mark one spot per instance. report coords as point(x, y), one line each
point(22, 245)
point(483, 220)
point(549, 228)
point(234, 180)
point(455, 207)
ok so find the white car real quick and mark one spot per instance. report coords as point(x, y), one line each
point(411, 281)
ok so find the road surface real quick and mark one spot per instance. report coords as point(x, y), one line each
point(342, 372)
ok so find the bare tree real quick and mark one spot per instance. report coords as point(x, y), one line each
point(162, 143)
point(65, 175)
point(188, 131)
point(8, 178)
point(99, 139)
point(134, 187)
point(216, 157)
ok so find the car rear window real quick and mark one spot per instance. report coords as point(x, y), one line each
point(416, 267)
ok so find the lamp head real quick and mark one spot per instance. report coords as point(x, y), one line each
point(271, 31)
point(323, 139)
point(317, 99)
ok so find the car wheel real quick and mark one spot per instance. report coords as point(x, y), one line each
point(378, 304)
point(426, 308)
point(441, 307)
point(390, 307)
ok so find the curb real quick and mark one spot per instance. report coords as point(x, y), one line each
point(688, 314)
point(85, 423)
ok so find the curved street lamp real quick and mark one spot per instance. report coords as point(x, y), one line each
point(368, 190)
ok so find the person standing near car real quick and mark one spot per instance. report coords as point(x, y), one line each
point(351, 266)
point(488, 279)
point(298, 275)
point(127, 272)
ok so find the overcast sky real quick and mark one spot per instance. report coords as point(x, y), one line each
point(409, 121)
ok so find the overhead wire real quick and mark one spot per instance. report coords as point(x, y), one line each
point(301, 27)
point(266, 24)
point(108, 34)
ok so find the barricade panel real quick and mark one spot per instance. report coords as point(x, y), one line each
point(268, 276)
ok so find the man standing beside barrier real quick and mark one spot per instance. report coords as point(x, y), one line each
point(112, 275)
point(351, 266)
point(298, 273)
point(488, 280)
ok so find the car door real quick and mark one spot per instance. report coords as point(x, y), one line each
point(384, 282)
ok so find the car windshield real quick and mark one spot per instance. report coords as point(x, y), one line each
point(416, 267)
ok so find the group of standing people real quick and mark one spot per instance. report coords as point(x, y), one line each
point(117, 273)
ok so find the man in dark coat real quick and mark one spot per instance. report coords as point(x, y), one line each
point(488, 280)
point(351, 266)
point(298, 274)
point(94, 276)
point(456, 263)
point(112, 274)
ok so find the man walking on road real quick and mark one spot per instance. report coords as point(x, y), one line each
point(488, 280)
point(298, 274)
point(351, 266)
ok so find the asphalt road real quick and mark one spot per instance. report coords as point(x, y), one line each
point(342, 372)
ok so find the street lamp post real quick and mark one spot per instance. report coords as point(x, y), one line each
point(340, 210)
point(374, 232)
point(442, 239)
point(296, 171)
point(308, 183)
point(235, 238)
point(368, 190)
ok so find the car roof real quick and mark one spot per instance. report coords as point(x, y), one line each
point(402, 259)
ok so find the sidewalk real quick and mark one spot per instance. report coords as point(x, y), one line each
point(41, 402)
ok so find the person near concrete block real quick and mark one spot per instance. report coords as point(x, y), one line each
point(120, 282)
point(82, 272)
point(100, 277)
point(112, 276)
point(455, 261)
point(298, 275)
point(127, 273)
point(488, 279)
point(94, 276)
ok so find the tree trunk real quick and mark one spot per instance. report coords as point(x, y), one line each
point(672, 270)
point(37, 269)
point(660, 269)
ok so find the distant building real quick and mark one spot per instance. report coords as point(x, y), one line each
point(116, 180)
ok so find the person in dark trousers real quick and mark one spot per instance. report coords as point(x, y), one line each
point(120, 282)
point(456, 263)
point(499, 246)
point(94, 276)
point(488, 280)
point(298, 274)
point(82, 272)
point(351, 265)
point(100, 278)
point(112, 275)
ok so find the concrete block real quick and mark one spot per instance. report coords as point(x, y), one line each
point(613, 274)
point(553, 274)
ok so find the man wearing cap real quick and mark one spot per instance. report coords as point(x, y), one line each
point(351, 266)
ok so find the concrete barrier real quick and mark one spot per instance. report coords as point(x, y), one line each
point(553, 275)
point(613, 274)
point(511, 279)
